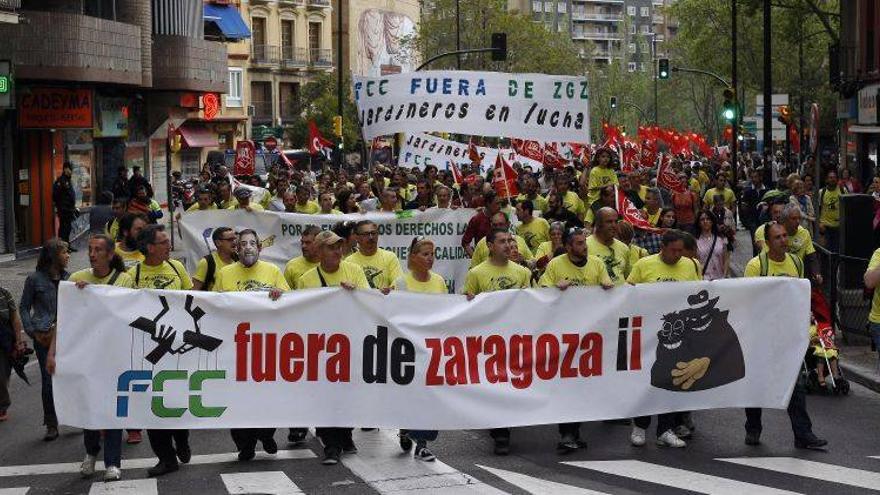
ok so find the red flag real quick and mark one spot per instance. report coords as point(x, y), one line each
point(666, 177)
point(795, 138)
point(631, 214)
point(504, 179)
point(456, 173)
point(628, 152)
point(529, 149)
point(245, 158)
point(317, 143)
point(473, 154)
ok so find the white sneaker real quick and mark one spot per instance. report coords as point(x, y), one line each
point(637, 438)
point(87, 468)
point(113, 473)
point(668, 439)
point(682, 431)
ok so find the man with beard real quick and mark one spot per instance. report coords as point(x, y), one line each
point(282, 185)
point(424, 196)
point(381, 267)
point(158, 271)
point(575, 268)
point(204, 201)
point(118, 207)
point(332, 271)
point(225, 201)
point(534, 230)
point(500, 222)
point(249, 274)
point(498, 272)
point(603, 243)
point(130, 227)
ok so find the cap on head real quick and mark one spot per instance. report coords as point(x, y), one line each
point(327, 238)
point(242, 193)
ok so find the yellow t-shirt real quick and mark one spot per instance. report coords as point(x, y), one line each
point(481, 252)
point(600, 177)
point(540, 202)
point(239, 278)
point(347, 272)
point(123, 280)
point(534, 232)
point(196, 207)
point(309, 208)
point(787, 268)
point(653, 269)
point(253, 206)
point(729, 197)
point(434, 285)
point(573, 203)
point(636, 253)
point(615, 257)
point(643, 192)
point(829, 208)
point(695, 185)
point(800, 244)
point(653, 219)
point(702, 178)
point(295, 269)
point(169, 275)
point(112, 229)
point(381, 269)
point(202, 270)
point(228, 204)
point(874, 317)
point(561, 268)
point(487, 277)
point(129, 258)
point(545, 249)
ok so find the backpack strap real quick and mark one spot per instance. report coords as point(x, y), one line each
point(212, 268)
point(176, 272)
point(798, 264)
point(137, 274)
point(113, 277)
point(321, 277)
point(765, 265)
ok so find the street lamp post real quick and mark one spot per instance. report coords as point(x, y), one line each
point(654, 62)
point(734, 145)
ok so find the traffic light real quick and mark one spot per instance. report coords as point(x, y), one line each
point(728, 108)
point(499, 47)
point(614, 103)
point(663, 68)
point(784, 114)
point(337, 125)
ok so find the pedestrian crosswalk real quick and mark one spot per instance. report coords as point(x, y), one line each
point(381, 467)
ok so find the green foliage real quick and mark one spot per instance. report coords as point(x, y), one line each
point(318, 101)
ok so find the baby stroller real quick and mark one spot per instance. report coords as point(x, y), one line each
point(821, 371)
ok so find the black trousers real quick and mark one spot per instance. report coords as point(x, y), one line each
point(801, 425)
point(246, 438)
point(163, 441)
point(65, 224)
point(664, 422)
point(335, 438)
point(570, 429)
point(500, 434)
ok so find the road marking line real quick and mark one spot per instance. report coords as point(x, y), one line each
point(677, 478)
point(387, 469)
point(14, 491)
point(146, 462)
point(811, 469)
point(537, 486)
point(125, 487)
point(268, 482)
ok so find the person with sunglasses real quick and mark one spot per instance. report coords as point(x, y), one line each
point(380, 266)
point(420, 278)
point(209, 266)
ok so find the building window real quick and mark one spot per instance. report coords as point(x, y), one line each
point(561, 7)
point(631, 66)
point(632, 47)
point(287, 40)
point(261, 99)
point(233, 97)
point(645, 11)
point(631, 10)
point(632, 29)
point(289, 93)
point(548, 6)
point(258, 31)
point(314, 41)
point(537, 6)
point(646, 29)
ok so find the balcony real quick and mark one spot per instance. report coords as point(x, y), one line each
point(265, 55)
point(616, 2)
point(595, 35)
point(72, 47)
point(318, 4)
point(293, 57)
point(181, 63)
point(595, 16)
point(321, 58)
point(262, 111)
point(658, 19)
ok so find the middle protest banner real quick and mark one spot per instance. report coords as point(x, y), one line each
point(528, 106)
point(336, 357)
point(280, 234)
point(420, 150)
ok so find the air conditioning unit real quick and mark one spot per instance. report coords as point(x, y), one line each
point(251, 111)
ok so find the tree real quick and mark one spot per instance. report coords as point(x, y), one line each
point(317, 101)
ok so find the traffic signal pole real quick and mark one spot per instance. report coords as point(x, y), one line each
point(733, 82)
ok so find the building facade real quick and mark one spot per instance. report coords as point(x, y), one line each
point(372, 35)
point(96, 85)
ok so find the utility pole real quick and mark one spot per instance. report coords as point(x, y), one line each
point(801, 92)
point(458, 33)
point(654, 62)
point(768, 84)
point(733, 76)
point(338, 154)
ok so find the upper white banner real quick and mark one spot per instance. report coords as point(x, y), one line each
point(420, 150)
point(333, 357)
point(528, 106)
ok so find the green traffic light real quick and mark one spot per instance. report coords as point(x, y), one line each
point(727, 114)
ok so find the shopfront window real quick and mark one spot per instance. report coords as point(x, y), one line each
point(80, 152)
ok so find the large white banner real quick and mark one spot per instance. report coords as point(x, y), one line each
point(529, 106)
point(420, 150)
point(280, 234)
point(332, 357)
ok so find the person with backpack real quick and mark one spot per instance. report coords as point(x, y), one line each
point(778, 262)
point(158, 271)
point(107, 268)
point(209, 266)
point(829, 212)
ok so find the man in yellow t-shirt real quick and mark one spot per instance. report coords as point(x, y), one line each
point(332, 271)
point(534, 230)
point(611, 251)
point(498, 272)
point(601, 174)
point(669, 265)
point(778, 262)
point(570, 200)
point(243, 198)
point(303, 203)
point(829, 212)
point(250, 274)
point(325, 203)
point(210, 265)
point(130, 227)
point(204, 202)
point(381, 267)
point(225, 201)
point(774, 211)
point(119, 208)
point(500, 221)
point(872, 282)
point(530, 192)
point(722, 189)
point(296, 267)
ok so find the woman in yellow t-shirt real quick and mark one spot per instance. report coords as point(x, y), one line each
point(420, 278)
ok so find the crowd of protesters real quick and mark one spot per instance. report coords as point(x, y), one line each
point(562, 229)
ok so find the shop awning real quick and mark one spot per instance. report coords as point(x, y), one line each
point(197, 136)
point(864, 129)
point(228, 20)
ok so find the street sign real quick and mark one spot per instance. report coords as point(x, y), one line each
point(6, 84)
point(260, 133)
point(270, 143)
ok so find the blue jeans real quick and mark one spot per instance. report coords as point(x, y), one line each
point(49, 417)
point(112, 445)
point(875, 334)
